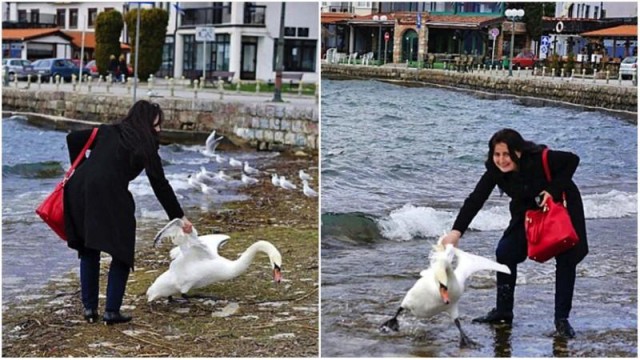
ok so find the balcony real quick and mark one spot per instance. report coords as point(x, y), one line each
point(207, 16)
point(254, 14)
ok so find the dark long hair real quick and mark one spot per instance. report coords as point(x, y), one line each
point(515, 142)
point(138, 134)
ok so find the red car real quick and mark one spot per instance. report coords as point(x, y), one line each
point(524, 60)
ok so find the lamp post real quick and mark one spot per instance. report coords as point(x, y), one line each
point(513, 15)
point(379, 20)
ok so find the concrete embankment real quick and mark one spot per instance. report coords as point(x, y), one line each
point(257, 124)
point(621, 101)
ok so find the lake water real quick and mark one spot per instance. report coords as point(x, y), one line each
point(35, 159)
point(398, 162)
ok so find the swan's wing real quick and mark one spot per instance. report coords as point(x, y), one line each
point(469, 263)
point(173, 230)
point(213, 242)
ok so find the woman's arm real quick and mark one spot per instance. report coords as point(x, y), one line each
point(162, 189)
point(562, 165)
point(474, 202)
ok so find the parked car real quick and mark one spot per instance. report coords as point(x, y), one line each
point(524, 60)
point(48, 68)
point(92, 67)
point(628, 67)
point(19, 68)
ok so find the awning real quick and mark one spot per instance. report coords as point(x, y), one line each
point(621, 31)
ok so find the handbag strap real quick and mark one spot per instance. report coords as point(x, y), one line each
point(81, 155)
point(547, 171)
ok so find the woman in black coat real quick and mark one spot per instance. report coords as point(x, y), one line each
point(515, 166)
point(99, 209)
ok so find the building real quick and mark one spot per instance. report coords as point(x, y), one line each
point(244, 39)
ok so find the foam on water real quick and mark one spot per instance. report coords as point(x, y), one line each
point(412, 221)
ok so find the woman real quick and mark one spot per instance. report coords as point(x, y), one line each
point(515, 166)
point(113, 68)
point(99, 209)
point(123, 69)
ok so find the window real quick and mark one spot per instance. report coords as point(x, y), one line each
point(595, 12)
point(73, 18)
point(61, 17)
point(92, 14)
point(299, 55)
point(289, 31)
point(218, 52)
point(35, 16)
point(22, 15)
point(586, 11)
point(303, 32)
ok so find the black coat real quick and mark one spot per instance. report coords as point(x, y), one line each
point(98, 207)
point(524, 185)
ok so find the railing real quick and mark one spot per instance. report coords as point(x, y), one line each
point(207, 16)
point(254, 14)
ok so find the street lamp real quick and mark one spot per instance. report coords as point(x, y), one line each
point(513, 15)
point(379, 20)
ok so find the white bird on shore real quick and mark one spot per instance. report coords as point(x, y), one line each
point(286, 184)
point(220, 175)
point(307, 190)
point(235, 163)
point(304, 176)
point(205, 175)
point(211, 144)
point(275, 180)
point(206, 189)
point(248, 180)
point(249, 170)
point(196, 262)
point(440, 287)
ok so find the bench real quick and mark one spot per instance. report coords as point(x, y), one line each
point(291, 77)
point(214, 76)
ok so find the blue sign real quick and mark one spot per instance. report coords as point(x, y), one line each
point(419, 21)
point(545, 40)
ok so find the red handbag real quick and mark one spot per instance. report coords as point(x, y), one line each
point(549, 230)
point(51, 210)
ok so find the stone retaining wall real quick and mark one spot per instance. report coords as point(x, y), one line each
point(263, 125)
point(614, 98)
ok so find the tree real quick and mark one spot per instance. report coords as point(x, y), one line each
point(109, 26)
point(153, 29)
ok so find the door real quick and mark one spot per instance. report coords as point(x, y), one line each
point(249, 58)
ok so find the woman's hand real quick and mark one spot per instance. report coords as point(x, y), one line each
point(545, 196)
point(453, 237)
point(188, 226)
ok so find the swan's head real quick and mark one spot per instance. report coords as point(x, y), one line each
point(276, 264)
point(441, 260)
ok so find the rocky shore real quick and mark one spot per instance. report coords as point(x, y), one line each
point(252, 317)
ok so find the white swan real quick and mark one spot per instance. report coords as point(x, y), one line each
point(440, 287)
point(196, 262)
point(211, 144)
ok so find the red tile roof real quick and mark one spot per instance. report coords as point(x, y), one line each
point(616, 31)
point(89, 40)
point(28, 34)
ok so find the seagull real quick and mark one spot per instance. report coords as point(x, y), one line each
point(205, 175)
point(235, 163)
point(193, 181)
point(196, 262)
point(248, 180)
point(275, 180)
point(220, 175)
point(304, 176)
point(285, 184)
point(220, 159)
point(249, 170)
point(211, 143)
point(440, 287)
point(307, 190)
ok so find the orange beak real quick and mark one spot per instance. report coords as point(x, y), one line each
point(444, 294)
point(277, 275)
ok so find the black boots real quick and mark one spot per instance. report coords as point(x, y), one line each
point(115, 317)
point(503, 312)
point(564, 329)
point(91, 315)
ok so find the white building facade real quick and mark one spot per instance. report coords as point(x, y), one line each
point(596, 9)
point(244, 44)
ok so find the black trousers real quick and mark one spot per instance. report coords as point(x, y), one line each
point(90, 280)
point(512, 250)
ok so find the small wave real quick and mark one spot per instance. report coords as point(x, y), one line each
point(38, 170)
point(614, 204)
point(350, 227)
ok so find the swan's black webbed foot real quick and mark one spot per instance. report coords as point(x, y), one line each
point(391, 324)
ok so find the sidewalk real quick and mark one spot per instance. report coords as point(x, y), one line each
point(161, 90)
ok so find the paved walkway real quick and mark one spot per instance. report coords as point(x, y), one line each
point(161, 90)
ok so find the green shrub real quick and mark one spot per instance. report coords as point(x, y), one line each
point(153, 29)
point(109, 26)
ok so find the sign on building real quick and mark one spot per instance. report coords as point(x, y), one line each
point(205, 33)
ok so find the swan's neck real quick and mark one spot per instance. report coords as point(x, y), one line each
point(242, 263)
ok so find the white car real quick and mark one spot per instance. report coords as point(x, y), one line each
point(628, 67)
